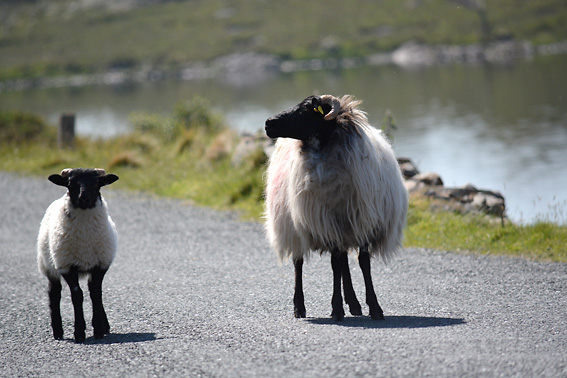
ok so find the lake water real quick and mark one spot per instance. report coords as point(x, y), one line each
point(500, 128)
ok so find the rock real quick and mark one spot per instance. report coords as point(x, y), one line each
point(489, 202)
point(250, 145)
point(429, 178)
point(409, 169)
point(414, 54)
point(411, 185)
point(463, 199)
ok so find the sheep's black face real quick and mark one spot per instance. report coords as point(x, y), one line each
point(84, 190)
point(83, 185)
point(303, 121)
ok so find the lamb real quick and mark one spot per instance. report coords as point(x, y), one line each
point(333, 185)
point(77, 238)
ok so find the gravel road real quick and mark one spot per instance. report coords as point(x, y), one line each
point(195, 292)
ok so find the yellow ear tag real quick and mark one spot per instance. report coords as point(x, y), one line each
point(320, 109)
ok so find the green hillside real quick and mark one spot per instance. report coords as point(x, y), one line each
point(62, 36)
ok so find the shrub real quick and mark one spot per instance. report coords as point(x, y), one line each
point(125, 159)
point(197, 113)
point(18, 127)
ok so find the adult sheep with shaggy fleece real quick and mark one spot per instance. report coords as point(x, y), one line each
point(333, 184)
point(77, 238)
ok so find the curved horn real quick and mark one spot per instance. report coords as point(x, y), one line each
point(335, 106)
point(65, 172)
point(100, 171)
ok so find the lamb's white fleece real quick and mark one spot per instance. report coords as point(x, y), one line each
point(75, 237)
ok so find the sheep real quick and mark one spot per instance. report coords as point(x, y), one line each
point(333, 185)
point(77, 238)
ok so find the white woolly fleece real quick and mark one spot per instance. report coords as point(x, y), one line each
point(75, 237)
point(347, 197)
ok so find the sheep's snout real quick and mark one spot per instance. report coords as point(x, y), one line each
point(85, 202)
point(289, 125)
point(84, 199)
point(271, 127)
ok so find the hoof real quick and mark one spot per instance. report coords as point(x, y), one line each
point(355, 310)
point(377, 316)
point(79, 338)
point(106, 327)
point(98, 336)
point(338, 316)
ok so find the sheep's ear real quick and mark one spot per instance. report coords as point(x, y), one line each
point(107, 179)
point(315, 102)
point(58, 180)
point(319, 106)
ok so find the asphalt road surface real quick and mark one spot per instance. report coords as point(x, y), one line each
point(195, 292)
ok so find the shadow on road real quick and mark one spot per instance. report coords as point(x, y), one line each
point(122, 338)
point(390, 322)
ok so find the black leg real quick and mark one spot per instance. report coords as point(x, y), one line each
point(298, 300)
point(337, 263)
point(54, 292)
point(364, 262)
point(100, 321)
point(72, 279)
point(350, 296)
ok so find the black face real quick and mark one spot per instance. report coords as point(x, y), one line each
point(302, 121)
point(83, 186)
point(84, 190)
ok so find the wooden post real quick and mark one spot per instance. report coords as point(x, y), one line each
point(66, 132)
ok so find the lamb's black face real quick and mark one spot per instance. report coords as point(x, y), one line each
point(83, 186)
point(84, 190)
point(302, 121)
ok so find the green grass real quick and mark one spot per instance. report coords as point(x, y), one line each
point(452, 231)
point(188, 156)
point(170, 157)
point(50, 38)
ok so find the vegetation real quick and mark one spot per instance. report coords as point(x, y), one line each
point(431, 227)
point(43, 38)
point(188, 156)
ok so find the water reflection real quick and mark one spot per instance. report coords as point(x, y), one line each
point(498, 127)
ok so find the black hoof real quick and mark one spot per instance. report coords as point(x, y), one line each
point(79, 338)
point(377, 316)
point(355, 310)
point(106, 327)
point(338, 316)
point(100, 332)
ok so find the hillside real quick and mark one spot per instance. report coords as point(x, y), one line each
point(42, 38)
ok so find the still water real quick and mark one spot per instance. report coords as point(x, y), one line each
point(500, 128)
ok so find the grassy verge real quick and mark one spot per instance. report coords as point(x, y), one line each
point(450, 231)
point(188, 156)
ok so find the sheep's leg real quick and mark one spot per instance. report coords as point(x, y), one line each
point(72, 279)
point(337, 263)
point(298, 300)
point(350, 296)
point(100, 320)
point(54, 292)
point(364, 262)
